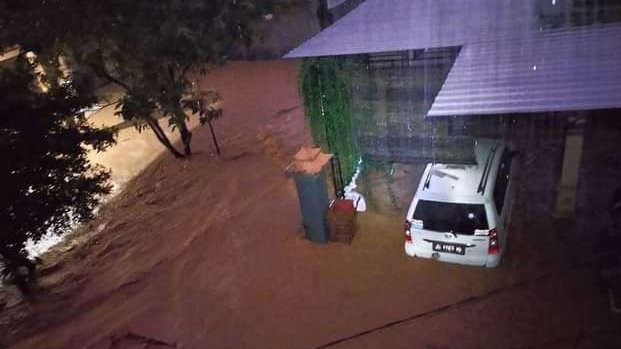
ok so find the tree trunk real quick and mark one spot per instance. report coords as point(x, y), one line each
point(161, 136)
point(213, 137)
point(186, 138)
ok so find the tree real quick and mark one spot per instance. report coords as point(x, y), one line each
point(145, 47)
point(47, 181)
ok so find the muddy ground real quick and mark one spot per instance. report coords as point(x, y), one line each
point(209, 253)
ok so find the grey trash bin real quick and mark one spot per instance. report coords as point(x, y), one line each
point(313, 197)
point(308, 169)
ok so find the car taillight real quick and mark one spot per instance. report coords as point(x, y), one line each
point(408, 235)
point(494, 244)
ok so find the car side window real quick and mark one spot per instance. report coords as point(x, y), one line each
point(502, 181)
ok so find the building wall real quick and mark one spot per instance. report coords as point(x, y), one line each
point(283, 32)
point(554, 14)
point(391, 94)
point(334, 3)
point(340, 8)
point(391, 97)
point(600, 171)
point(540, 142)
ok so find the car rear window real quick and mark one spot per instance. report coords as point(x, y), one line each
point(451, 217)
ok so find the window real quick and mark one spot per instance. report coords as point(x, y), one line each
point(502, 181)
point(449, 217)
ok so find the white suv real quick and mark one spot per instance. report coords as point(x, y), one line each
point(459, 212)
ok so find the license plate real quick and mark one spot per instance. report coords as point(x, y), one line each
point(449, 248)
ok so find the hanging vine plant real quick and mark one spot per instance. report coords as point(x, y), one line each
point(326, 89)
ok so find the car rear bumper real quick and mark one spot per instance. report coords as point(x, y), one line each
point(490, 261)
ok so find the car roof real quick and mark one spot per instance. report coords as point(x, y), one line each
point(463, 183)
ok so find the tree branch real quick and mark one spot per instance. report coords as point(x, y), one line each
point(103, 73)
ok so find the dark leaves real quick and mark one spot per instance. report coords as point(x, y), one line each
point(206, 104)
point(47, 181)
point(146, 47)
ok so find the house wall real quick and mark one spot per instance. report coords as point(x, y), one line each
point(536, 174)
point(340, 8)
point(573, 13)
point(391, 97)
point(334, 3)
point(600, 171)
point(540, 141)
point(284, 32)
point(566, 200)
point(391, 94)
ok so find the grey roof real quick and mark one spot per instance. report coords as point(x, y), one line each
point(395, 25)
point(505, 66)
point(576, 69)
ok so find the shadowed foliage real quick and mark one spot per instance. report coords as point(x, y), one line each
point(47, 182)
point(144, 47)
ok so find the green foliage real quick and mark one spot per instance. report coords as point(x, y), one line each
point(206, 105)
point(145, 47)
point(325, 85)
point(48, 183)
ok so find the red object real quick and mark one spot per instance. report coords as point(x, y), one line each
point(408, 234)
point(342, 220)
point(494, 244)
point(343, 206)
point(407, 225)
